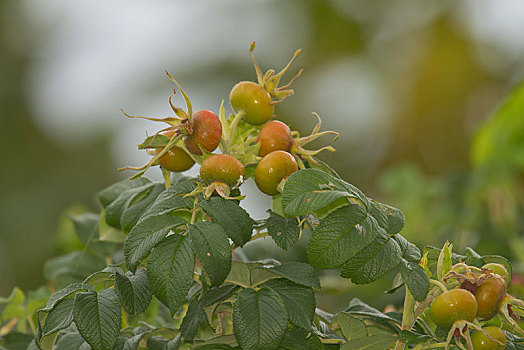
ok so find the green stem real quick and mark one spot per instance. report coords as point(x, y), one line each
point(195, 211)
point(408, 316)
point(332, 341)
point(434, 346)
point(166, 174)
point(259, 235)
point(439, 284)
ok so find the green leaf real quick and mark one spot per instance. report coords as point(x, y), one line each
point(299, 300)
point(16, 341)
point(416, 279)
point(214, 347)
point(111, 193)
point(235, 221)
point(13, 305)
point(412, 338)
point(298, 339)
point(284, 231)
point(212, 248)
point(86, 228)
point(444, 262)
point(170, 270)
point(375, 260)
point(107, 233)
point(389, 218)
point(299, 273)
point(155, 141)
point(159, 343)
point(308, 190)
point(338, 237)
point(259, 319)
point(248, 274)
point(410, 252)
point(102, 276)
point(375, 342)
point(37, 299)
point(133, 290)
point(499, 143)
point(98, 318)
point(219, 294)
point(137, 204)
point(219, 341)
point(115, 210)
point(60, 317)
point(183, 185)
point(195, 317)
point(153, 227)
point(351, 327)
point(357, 307)
point(73, 267)
point(71, 341)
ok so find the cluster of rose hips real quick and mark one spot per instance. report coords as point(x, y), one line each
point(478, 295)
point(247, 139)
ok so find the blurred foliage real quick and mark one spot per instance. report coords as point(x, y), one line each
point(438, 89)
point(34, 169)
point(482, 206)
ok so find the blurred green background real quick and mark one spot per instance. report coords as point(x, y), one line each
point(407, 83)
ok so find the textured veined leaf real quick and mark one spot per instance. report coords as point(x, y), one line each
point(137, 205)
point(248, 274)
point(298, 339)
point(71, 341)
point(115, 210)
point(375, 342)
point(416, 279)
point(212, 248)
point(259, 319)
point(133, 290)
point(235, 221)
point(153, 227)
point(159, 343)
point(300, 273)
point(60, 317)
point(357, 307)
point(410, 252)
point(170, 270)
point(284, 231)
point(374, 260)
point(351, 327)
point(299, 300)
point(339, 236)
point(111, 193)
point(194, 318)
point(308, 190)
point(389, 218)
point(98, 318)
point(57, 314)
